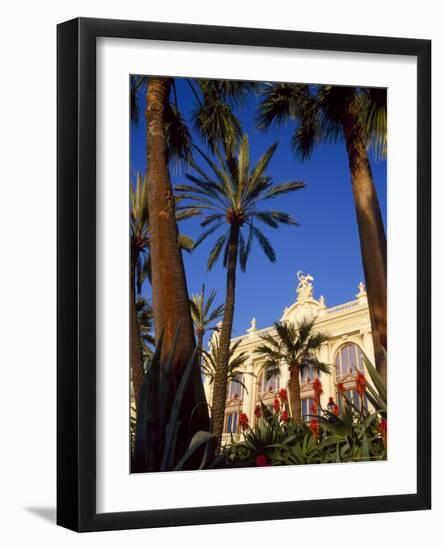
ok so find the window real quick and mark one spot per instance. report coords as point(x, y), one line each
point(306, 407)
point(266, 384)
point(235, 390)
point(307, 374)
point(231, 423)
point(348, 360)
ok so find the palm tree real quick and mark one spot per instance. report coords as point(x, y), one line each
point(167, 135)
point(231, 196)
point(294, 346)
point(236, 362)
point(203, 316)
point(140, 262)
point(145, 322)
point(359, 117)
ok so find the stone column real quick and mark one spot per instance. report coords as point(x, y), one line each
point(208, 388)
point(367, 340)
point(248, 396)
point(285, 377)
point(326, 379)
point(367, 348)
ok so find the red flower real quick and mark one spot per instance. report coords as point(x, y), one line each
point(261, 460)
point(283, 395)
point(335, 410)
point(382, 427)
point(285, 416)
point(340, 387)
point(314, 408)
point(314, 427)
point(276, 405)
point(317, 389)
point(361, 384)
point(243, 421)
point(258, 411)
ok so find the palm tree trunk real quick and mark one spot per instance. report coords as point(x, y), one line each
point(221, 372)
point(295, 395)
point(170, 299)
point(372, 239)
point(199, 345)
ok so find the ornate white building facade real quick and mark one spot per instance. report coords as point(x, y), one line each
point(349, 333)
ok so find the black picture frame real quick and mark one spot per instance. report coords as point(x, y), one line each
point(76, 274)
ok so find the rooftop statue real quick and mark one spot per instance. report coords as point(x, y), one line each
point(304, 290)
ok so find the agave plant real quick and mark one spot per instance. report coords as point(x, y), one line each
point(377, 394)
point(351, 436)
point(163, 438)
point(358, 434)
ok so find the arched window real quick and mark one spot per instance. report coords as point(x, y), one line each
point(348, 361)
point(235, 389)
point(266, 384)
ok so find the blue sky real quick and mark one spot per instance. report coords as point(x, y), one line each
point(326, 244)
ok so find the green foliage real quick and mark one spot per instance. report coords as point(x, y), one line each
point(139, 231)
point(350, 435)
point(294, 345)
point(377, 395)
point(202, 313)
point(145, 322)
point(161, 434)
point(236, 362)
point(213, 117)
point(230, 195)
point(271, 437)
point(321, 112)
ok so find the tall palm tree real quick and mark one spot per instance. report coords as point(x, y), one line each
point(231, 196)
point(169, 288)
point(294, 346)
point(359, 117)
point(140, 269)
point(203, 316)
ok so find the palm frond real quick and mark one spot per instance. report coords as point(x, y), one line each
point(206, 233)
point(185, 242)
point(264, 243)
point(215, 252)
point(283, 188)
point(179, 140)
point(280, 104)
point(202, 312)
point(231, 195)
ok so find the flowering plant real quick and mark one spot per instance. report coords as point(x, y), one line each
point(346, 433)
point(283, 395)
